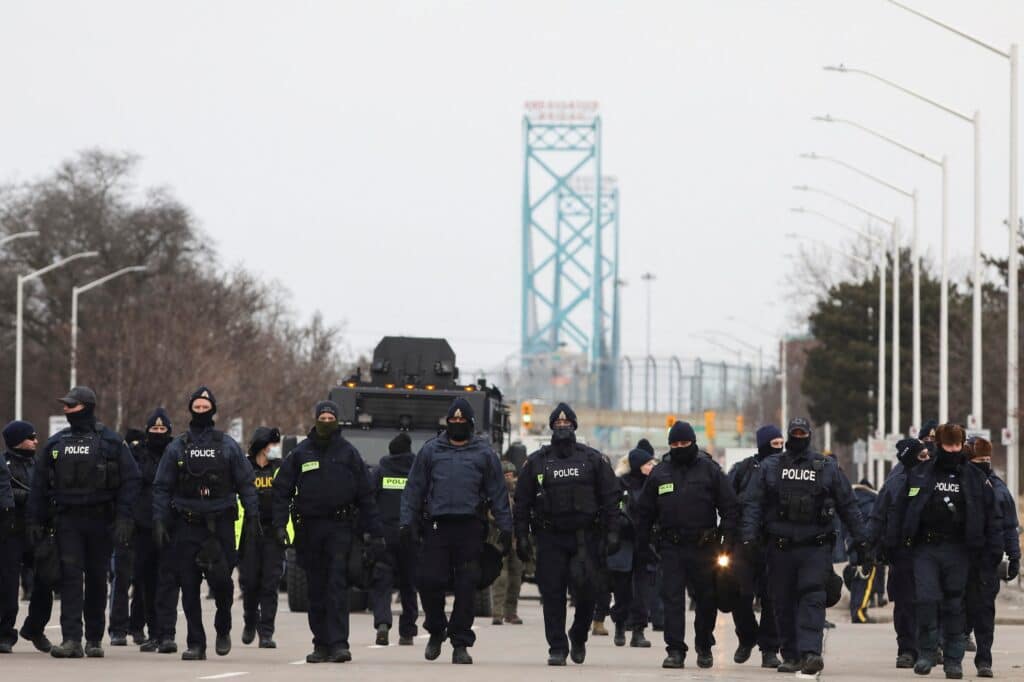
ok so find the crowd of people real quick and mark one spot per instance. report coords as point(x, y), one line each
point(158, 514)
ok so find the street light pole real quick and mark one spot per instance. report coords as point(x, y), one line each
point(18, 374)
point(75, 293)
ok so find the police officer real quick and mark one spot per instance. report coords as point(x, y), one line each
point(15, 552)
point(632, 614)
point(569, 497)
point(94, 483)
point(885, 532)
point(685, 495)
point(325, 484)
point(949, 519)
point(793, 499)
point(388, 481)
point(753, 566)
point(122, 569)
point(194, 511)
point(261, 557)
point(147, 451)
point(860, 579)
point(983, 582)
point(454, 478)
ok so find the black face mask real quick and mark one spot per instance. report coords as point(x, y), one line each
point(324, 430)
point(798, 445)
point(158, 442)
point(948, 461)
point(24, 452)
point(459, 431)
point(83, 420)
point(767, 451)
point(684, 455)
point(562, 439)
point(202, 420)
point(984, 466)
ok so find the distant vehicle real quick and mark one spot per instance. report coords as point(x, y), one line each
point(407, 388)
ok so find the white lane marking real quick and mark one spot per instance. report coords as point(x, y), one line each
point(52, 627)
point(380, 646)
point(300, 662)
point(221, 676)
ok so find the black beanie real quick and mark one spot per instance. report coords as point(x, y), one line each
point(563, 411)
point(17, 431)
point(203, 392)
point(681, 431)
point(400, 444)
point(262, 437)
point(927, 429)
point(638, 458)
point(460, 407)
point(160, 417)
point(645, 445)
point(325, 406)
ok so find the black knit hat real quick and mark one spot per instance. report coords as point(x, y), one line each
point(262, 437)
point(400, 444)
point(159, 417)
point(460, 407)
point(325, 406)
point(645, 445)
point(563, 411)
point(205, 393)
point(681, 432)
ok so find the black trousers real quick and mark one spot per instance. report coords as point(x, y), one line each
point(940, 571)
point(260, 566)
point(187, 542)
point(85, 546)
point(14, 555)
point(555, 552)
point(688, 567)
point(982, 589)
point(122, 569)
point(902, 592)
point(398, 571)
point(145, 577)
point(621, 583)
point(798, 588)
point(748, 630)
point(322, 547)
point(166, 595)
point(450, 559)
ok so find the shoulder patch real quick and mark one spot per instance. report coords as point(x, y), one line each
point(310, 466)
point(666, 488)
point(913, 492)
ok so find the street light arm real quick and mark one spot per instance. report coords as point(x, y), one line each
point(966, 36)
point(850, 167)
point(861, 209)
point(103, 280)
point(842, 68)
point(18, 235)
point(830, 119)
point(54, 266)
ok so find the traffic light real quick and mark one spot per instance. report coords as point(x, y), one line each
point(739, 424)
point(670, 421)
point(526, 412)
point(709, 424)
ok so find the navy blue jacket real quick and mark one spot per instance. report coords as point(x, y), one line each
point(356, 490)
point(6, 492)
point(449, 480)
point(1004, 500)
point(686, 497)
point(395, 468)
point(149, 463)
point(19, 470)
point(166, 497)
point(44, 494)
point(885, 523)
point(866, 498)
point(983, 522)
point(761, 502)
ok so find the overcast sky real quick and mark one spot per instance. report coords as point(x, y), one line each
point(369, 155)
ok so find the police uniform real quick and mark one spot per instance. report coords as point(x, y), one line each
point(685, 495)
point(15, 551)
point(398, 570)
point(194, 494)
point(94, 483)
point(261, 560)
point(324, 483)
point(568, 496)
point(861, 580)
point(753, 568)
point(951, 521)
point(791, 504)
point(449, 488)
point(122, 570)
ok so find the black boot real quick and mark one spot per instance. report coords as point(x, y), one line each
point(223, 645)
point(638, 640)
point(382, 635)
point(704, 658)
point(267, 642)
point(194, 653)
point(318, 655)
point(40, 642)
point(557, 658)
point(905, 660)
point(248, 634)
point(433, 649)
point(620, 634)
point(67, 649)
point(812, 664)
point(953, 670)
point(925, 663)
point(149, 646)
point(769, 659)
point(339, 654)
point(742, 654)
point(460, 656)
point(577, 652)
point(118, 639)
point(984, 670)
point(167, 646)
point(673, 660)
point(95, 649)
point(789, 667)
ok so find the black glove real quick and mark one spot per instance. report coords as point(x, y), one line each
point(409, 535)
point(612, 543)
point(253, 526)
point(124, 529)
point(161, 537)
point(505, 542)
point(281, 536)
point(34, 533)
point(524, 548)
point(1012, 569)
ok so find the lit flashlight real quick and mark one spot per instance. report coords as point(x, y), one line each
point(723, 560)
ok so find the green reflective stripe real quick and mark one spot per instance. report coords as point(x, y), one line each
point(393, 483)
point(55, 453)
point(913, 492)
point(666, 488)
point(540, 479)
point(310, 466)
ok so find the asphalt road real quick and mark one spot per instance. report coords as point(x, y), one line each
point(507, 652)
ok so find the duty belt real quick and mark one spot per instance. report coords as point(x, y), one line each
point(815, 541)
point(698, 538)
point(934, 537)
point(201, 519)
point(347, 514)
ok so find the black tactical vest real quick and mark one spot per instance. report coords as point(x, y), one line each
point(203, 471)
point(264, 488)
point(80, 465)
point(326, 482)
point(800, 490)
point(569, 488)
point(389, 494)
point(945, 511)
point(687, 500)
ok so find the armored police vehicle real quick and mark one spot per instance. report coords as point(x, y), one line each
point(408, 387)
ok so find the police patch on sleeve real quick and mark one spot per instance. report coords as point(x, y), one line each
point(666, 488)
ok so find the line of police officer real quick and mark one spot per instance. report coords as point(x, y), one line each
point(937, 519)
